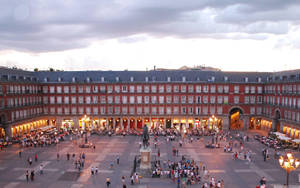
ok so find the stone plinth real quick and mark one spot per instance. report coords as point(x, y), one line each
point(145, 158)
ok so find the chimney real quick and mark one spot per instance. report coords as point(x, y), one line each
point(154, 67)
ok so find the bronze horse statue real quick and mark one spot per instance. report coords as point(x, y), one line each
point(145, 137)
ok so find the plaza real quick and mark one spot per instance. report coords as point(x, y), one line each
point(62, 173)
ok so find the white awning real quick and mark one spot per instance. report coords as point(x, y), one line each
point(284, 138)
point(279, 134)
point(296, 141)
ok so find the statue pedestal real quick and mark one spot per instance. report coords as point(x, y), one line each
point(145, 158)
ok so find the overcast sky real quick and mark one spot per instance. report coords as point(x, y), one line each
point(235, 35)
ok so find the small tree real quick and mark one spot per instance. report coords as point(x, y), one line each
point(51, 69)
point(35, 69)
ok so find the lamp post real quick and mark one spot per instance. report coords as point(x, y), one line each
point(289, 163)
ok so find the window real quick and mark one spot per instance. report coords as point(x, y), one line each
point(190, 110)
point(45, 89)
point(117, 99)
point(73, 89)
point(131, 89)
point(246, 89)
point(139, 89)
point(139, 99)
point(66, 110)
point(109, 99)
point(236, 99)
point(205, 99)
point(102, 89)
point(95, 110)
point(183, 99)
point(80, 89)
point(259, 90)
point(146, 89)
point(191, 88)
point(176, 88)
point(252, 89)
point(169, 89)
point(246, 100)
point(124, 110)
point(205, 110)
point(139, 110)
point(146, 110)
point(102, 100)
point(252, 110)
point(198, 99)
point(153, 89)
point(220, 110)
point(66, 89)
point(169, 99)
point(88, 99)
point(161, 110)
point(176, 110)
point(153, 99)
point(176, 99)
point(124, 99)
point(131, 100)
point(161, 89)
point(51, 89)
point(183, 89)
point(169, 111)
point(226, 89)
point(73, 100)
point(59, 100)
point(161, 99)
point(205, 89)
point(58, 88)
point(88, 89)
point(95, 89)
point(117, 110)
point(52, 100)
point(124, 89)
point(236, 89)
point(95, 99)
point(153, 110)
point(198, 89)
point(220, 89)
point(74, 110)
point(190, 99)
point(220, 99)
point(117, 89)
point(146, 99)
point(183, 110)
point(80, 99)
point(252, 99)
point(45, 100)
point(102, 110)
point(212, 99)
point(212, 89)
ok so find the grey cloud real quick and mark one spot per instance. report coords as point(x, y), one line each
point(60, 25)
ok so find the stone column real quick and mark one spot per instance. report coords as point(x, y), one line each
point(246, 122)
point(76, 122)
point(135, 124)
point(58, 122)
point(8, 131)
point(226, 123)
point(122, 126)
point(114, 123)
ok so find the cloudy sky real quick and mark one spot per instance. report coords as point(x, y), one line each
point(234, 35)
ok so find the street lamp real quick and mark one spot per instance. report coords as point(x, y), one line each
point(289, 163)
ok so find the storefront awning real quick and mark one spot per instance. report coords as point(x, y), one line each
point(284, 138)
point(296, 141)
point(279, 134)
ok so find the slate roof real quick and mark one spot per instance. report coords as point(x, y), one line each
point(196, 76)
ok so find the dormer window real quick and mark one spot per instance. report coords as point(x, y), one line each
point(153, 78)
point(212, 78)
point(183, 79)
point(246, 79)
point(131, 79)
point(117, 79)
point(225, 78)
point(102, 79)
point(59, 79)
point(46, 79)
point(147, 79)
point(259, 79)
point(74, 79)
point(169, 79)
point(88, 79)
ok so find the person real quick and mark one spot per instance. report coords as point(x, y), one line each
point(132, 180)
point(32, 175)
point(68, 156)
point(158, 153)
point(111, 164)
point(178, 183)
point(30, 161)
point(107, 182)
point(263, 181)
point(96, 170)
point(123, 180)
point(27, 175)
point(20, 154)
point(57, 156)
point(35, 157)
point(92, 170)
point(41, 169)
point(118, 160)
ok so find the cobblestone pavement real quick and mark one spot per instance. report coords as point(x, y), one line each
point(62, 173)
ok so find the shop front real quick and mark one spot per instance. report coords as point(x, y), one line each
point(85, 123)
point(2, 133)
point(291, 131)
point(67, 124)
point(25, 128)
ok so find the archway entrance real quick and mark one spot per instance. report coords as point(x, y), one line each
point(236, 123)
point(277, 122)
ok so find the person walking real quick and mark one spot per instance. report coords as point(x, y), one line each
point(96, 170)
point(35, 157)
point(107, 182)
point(57, 156)
point(20, 153)
point(68, 156)
point(92, 170)
point(32, 175)
point(27, 175)
point(118, 160)
point(41, 169)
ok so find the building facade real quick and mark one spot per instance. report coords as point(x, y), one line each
point(123, 100)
